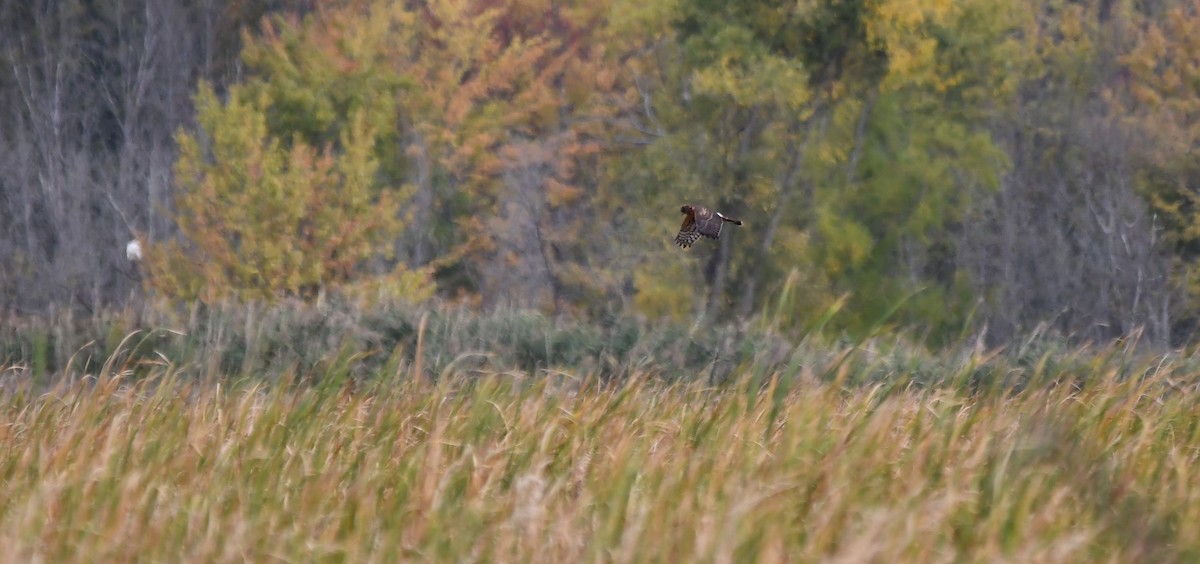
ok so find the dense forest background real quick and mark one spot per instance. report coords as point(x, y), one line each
point(976, 164)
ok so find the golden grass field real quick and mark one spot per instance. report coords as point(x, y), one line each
point(1092, 464)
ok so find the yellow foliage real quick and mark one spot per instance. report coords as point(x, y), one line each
point(909, 32)
point(845, 244)
point(769, 80)
point(401, 285)
point(260, 221)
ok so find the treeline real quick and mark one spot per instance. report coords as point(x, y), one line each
point(973, 165)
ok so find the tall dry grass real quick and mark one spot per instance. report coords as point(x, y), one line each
point(851, 457)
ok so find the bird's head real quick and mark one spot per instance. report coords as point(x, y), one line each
point(685, 209)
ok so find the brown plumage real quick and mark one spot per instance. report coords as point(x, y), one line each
point(697, 221)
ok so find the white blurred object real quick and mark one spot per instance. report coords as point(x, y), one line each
point(133, 251)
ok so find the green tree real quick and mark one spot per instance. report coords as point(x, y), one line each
point(851, 135)
point(912, 156)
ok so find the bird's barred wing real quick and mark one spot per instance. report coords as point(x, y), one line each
point(687, 233)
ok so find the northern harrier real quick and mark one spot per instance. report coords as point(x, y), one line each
point(698, 221)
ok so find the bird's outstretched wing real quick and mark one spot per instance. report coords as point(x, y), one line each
point(688, 233)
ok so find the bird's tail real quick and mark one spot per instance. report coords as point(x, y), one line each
point(731, 220)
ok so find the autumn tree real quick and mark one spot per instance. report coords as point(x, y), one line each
point(494, 115)
point(260, 220)
point(1155, 96)
point(1068, 242)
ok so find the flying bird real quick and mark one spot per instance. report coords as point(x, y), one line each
point(699, 220)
